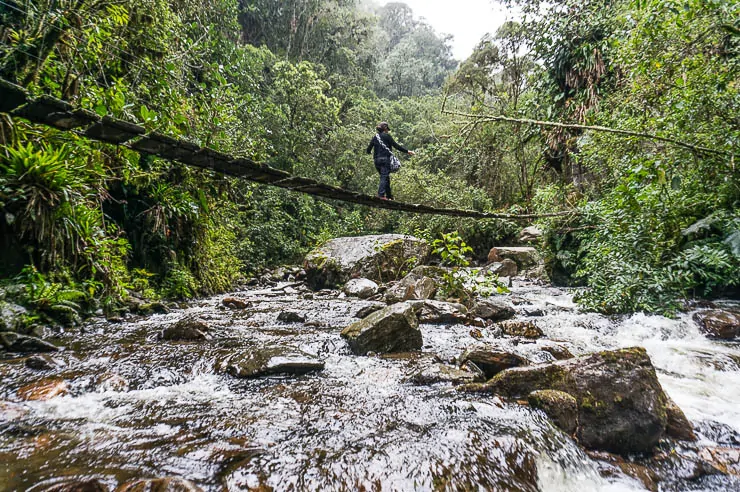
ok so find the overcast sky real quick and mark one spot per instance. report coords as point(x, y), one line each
point(467, 20)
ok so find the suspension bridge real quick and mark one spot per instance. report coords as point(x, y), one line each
point(50, 111)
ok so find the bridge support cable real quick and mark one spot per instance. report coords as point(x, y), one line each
point(61, 115)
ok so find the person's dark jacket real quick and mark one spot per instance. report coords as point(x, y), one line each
point(380, 152)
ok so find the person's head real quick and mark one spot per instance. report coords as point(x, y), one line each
point(382, 127)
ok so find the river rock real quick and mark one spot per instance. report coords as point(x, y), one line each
point(530, 234)
point(235, 303)
point(492, 362)
point(503, 268)
point(561, 407)
point(366, 311)
point(43, 390)
point(14, 342)
point(291, 317)
point(524, 256)
point(377, 257)
point(526, 329)
point(559, 352)
point(190, 328)
point(265, 362)
point(492, 309)
point(677, 426)
point(444, 373)
point(724, 459)
point(392, 329)
point(420, 283)
point(360, 287)
point(167, 484)
point(74, 485)
point(621, 405)
point(11, 316)
point(717, 323)
point(43, 362)
point(440, 312)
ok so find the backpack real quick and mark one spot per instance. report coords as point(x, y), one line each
point(395, 164)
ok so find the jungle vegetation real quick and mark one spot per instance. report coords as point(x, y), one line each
point(300, 84)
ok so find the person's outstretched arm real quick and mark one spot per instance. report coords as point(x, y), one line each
point(401, 148)
point(370, 147)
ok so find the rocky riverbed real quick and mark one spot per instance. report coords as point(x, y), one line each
point(267, 389)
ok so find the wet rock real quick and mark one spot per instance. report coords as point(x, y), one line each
point(43, 362)
point(492, 309)
point(503, 268)
point(443, 373)
point(366, 311)
point(377, 257)
point(492, 362)
point(291, 317)
point(360, 287)
point(678, 426)
point(530, 234)
point(11, 316)
point(524, 256)
point(717, 323)
point(148, 308)
point(167, 484)
point(421, 283)
point(434, 312)
point(392, 329)
point(561, 407)
point(275, 360)
point(111, 382)
point(621, 405)
point(14, 342)
point(558, 352)
point(235, 303)
point(526, 329)
point(46, 389)
point(187, 329)
point(73, 485)
point(726, 460)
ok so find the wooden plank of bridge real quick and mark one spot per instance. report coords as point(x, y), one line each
point(60, 114)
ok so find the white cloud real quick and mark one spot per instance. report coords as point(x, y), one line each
point(466, 20)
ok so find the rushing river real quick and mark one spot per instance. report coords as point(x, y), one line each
point(139, 407)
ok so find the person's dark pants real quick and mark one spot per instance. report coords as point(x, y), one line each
point(384, 168)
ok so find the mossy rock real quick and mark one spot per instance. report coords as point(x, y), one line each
point(621, 404)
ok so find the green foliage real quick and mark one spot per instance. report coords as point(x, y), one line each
point(452, 250)
point(53, 301)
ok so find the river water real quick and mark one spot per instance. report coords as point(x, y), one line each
point(140, 407)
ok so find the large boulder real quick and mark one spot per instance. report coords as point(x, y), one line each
point(561, 407)
point(717, 323)
point(360, 287)
point(379, 258)
point(13, 342)
point(392, 329)
point(275, 360)
point(621, 405)
point(524, 256)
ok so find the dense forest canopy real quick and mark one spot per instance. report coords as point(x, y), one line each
point(300, 84)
